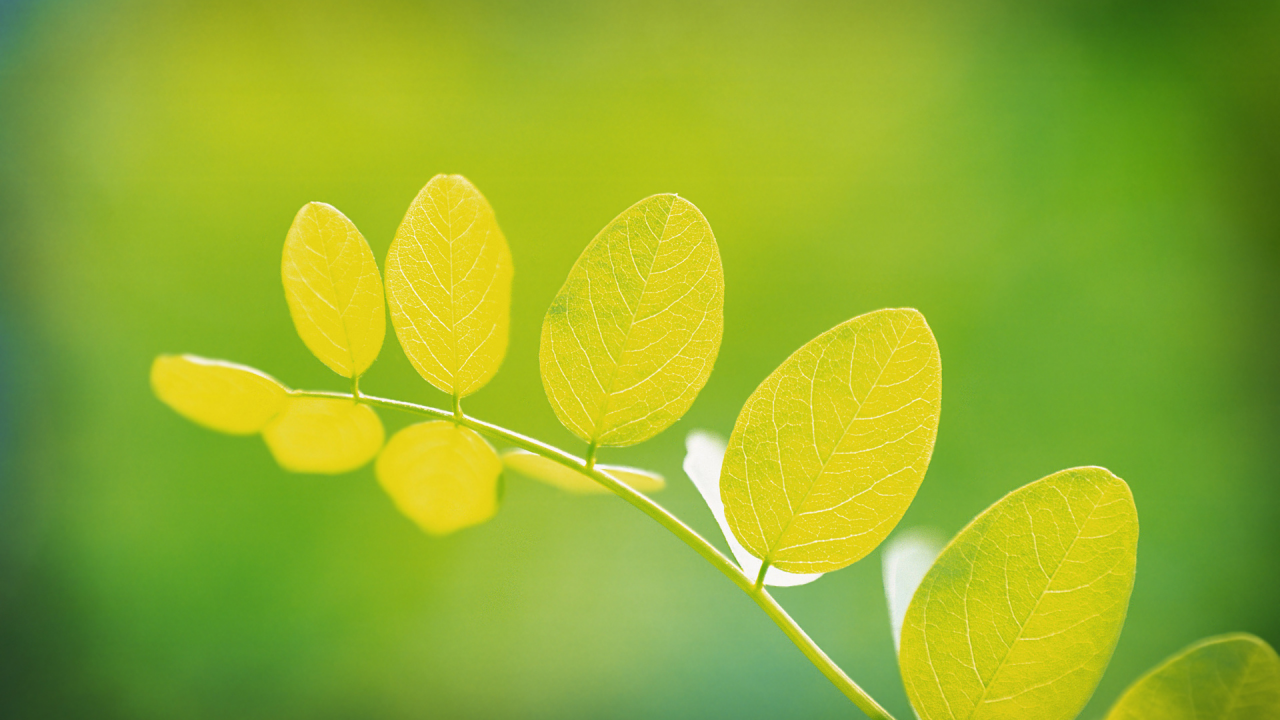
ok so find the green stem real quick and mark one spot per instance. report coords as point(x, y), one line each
point(665, 519)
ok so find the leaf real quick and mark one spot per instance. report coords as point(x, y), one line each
point(905, 560)
point(334, 291)
point(449, 286)
point(444, 477)
point(630, 339)
point(323, 435)
point(704, 453)
point(829, 451)
point(217, 394)
point(1228, 677)
point(1019, 615)
point(553, 473)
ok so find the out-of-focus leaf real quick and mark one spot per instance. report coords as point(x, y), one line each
point(323, 435)
point(449, 286)
point(904, 561)
point(630, 339)
point(553, 473)
point(217, 394)
point(1228, 677)
point(442, 476)
point(704, 453)
point(334, 291)
point(829, 451)
point(1019, 615)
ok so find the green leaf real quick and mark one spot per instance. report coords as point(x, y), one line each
point(704, 454)
point(444, 477)
point(323, 435)
point(334, 291)
point(1019, 615)
point(449, 286)
point(217, 394)
point(630, 339)
point(829, 451)
point(1229, 677)
point(557, 475)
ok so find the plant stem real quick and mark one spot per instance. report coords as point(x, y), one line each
point(690, 537)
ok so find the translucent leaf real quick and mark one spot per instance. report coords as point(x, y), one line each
point(905, 559)
point(449, 286)
point(334, 291)
point(630, 339)
point(444, 477)
point(1229, 677)
point(829, 451)
point(704, 453)
point(217, 394)
point(1019, 615)
point(553, 473)
point(323, 435)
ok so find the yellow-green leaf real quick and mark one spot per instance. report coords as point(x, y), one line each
point(323, 435)
point(449, 286)
point(630, 339)
point(217, 394)
point(1020, 613)
point(334, 291)
point(1229, 677)
point(553, 473)
point(444, 477)
point(829, 451)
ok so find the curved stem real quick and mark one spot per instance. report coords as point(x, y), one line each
point(687, 534)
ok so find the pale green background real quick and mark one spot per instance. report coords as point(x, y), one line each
point(1081, 197)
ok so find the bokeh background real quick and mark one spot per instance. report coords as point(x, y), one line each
point(1082, 197)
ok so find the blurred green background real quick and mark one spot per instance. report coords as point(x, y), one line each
point(1082, 197)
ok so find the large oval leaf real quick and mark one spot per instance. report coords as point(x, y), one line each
point(704, 454)
point(829, 451)
point(334, 291)
point(1229, 677)
point(217, 394)
point(323, 435)
point(553, 473)
point(444, 477)
point(1019, 615)
point(630, 339)
point(449, 286)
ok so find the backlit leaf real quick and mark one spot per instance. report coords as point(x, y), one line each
point(905, 559)
point(1229, 677)
point(1019, 615)
point(704, 453)
point(630, 339)
point(217, 394)
point(449, 286)
point(323, 435)
point(444, 477)
point(829, 451)
point(553, 473)
point(334, 291)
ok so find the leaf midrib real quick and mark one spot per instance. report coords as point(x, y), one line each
point(843, 434)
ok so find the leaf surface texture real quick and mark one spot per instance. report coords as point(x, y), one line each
point(217, 394)
point(829, 451)
point(334, 291)
point(449, 286)
point(1229, 677)
point(631, 337)
point(704, 454)
point(1020, 614)
point(442, 476)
